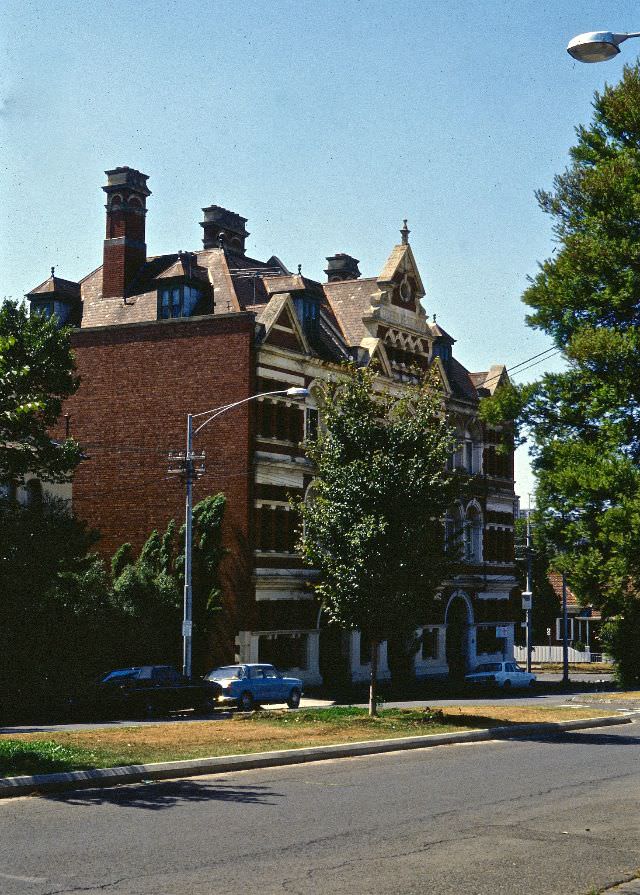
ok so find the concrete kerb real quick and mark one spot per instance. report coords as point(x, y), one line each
point(11, 787)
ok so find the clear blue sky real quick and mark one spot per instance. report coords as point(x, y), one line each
point(325, 123)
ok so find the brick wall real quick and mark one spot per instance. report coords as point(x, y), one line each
point(137, 384)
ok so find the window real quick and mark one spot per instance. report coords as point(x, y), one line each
point(430, 643)
point(284, 650)
point(468, 456)
point(308, 311)
point(276, 529)
point(365, 649)
point(473, 536)
point(487, 642)
point(443, 351)
point(277, 419)
point(311, 423)
point(177, 301)
point(165, 675)
point(61, 310)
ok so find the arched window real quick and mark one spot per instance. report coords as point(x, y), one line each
point(453, 530)
point(33, 493)
point(473, 535)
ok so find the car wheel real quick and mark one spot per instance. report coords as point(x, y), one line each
point(245, 702)
point(506, 685)
point(207, 705)
point(294, 698)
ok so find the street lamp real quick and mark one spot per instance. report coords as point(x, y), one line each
point(597, 46)
point(189, 470)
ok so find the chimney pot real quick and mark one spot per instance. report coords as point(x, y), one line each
point(224, 229)
point(342, 267)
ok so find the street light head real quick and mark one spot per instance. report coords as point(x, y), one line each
point(297, 392)
point(595, 46)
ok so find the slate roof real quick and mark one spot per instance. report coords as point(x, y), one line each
point(350, 301)
point(460, 380)
point(59, 286)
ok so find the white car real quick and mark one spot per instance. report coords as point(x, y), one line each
point(500, 674)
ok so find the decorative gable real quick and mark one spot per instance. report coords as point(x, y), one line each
point(401, 281)
point(281, 325)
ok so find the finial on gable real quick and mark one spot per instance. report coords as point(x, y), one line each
point(404, 233)
point(53, 272)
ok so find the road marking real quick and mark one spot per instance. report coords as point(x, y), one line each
point(24, 879)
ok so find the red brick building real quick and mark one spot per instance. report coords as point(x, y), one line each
point(158, 337)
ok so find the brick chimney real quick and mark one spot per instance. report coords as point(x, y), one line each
point(125, 250)
point(342, 267)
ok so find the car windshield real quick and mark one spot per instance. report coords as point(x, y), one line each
point(121, 674)
point(226, 672)
point(488, 666)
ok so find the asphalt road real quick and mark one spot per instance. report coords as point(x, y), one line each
point(537, 817)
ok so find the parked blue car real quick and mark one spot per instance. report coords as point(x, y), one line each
point(249, 685)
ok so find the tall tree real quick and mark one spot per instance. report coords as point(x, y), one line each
point(36, 374)
point(373, 524)
point(585, 421)
point(149, 588)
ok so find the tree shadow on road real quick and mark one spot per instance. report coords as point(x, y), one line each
point(158, 795)
point(570, 737)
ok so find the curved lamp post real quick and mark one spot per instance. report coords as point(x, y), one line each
point(190, 473)
point(597, 46)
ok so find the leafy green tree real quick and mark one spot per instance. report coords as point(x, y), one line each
point(36, 374)
point(148, 588)
point(373, 526)
point(584, 422)
point(54, 604)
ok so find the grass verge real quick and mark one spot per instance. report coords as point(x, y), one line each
point(258, 732)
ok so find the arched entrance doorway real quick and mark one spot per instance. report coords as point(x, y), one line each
point(458, 617)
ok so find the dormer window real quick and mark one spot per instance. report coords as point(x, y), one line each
point(177, 301)
point(443, 351)
point(58, 309)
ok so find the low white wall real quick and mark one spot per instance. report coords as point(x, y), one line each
point(554, 654)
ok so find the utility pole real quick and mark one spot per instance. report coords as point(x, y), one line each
point(565, 632)
point(529, 589)
point(188, 470)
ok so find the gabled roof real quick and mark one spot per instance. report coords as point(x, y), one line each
point(439, 333)
point(488, 381)
point(402, 260)
point(278, 315)
point(58, 286)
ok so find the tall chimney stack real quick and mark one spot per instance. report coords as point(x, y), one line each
point(125, 250)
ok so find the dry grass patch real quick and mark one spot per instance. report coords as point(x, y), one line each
point(614, 696)
point(260, 732)
point(574, 667)
point(495, 715)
